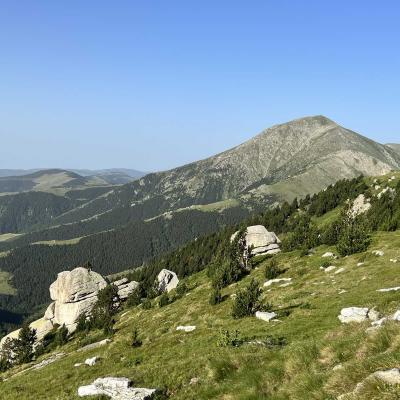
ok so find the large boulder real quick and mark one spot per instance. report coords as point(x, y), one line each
point(167, 280)
point(125, 288)
point(76, 285)
point(116, 389)
point(260, 240)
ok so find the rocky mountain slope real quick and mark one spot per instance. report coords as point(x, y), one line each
point(394, 146)
point(295, 158)
point(338, 315)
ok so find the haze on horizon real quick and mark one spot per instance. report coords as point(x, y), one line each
point(153, 85)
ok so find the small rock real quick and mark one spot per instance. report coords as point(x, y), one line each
point(330, 268)
point(378, 253)
point(78, 364)
point(271, 281)
point(360, 264)
point(194, 381)
point(91, 361)
point(392, 289)
point(328, 254)
point(186, 328)
point(337, 367)
point(396, 316)
point(95, 345)
point(379, 322)
point(343, 291)
point(265, 316)
point(373, 315)
point(353, 314)
point(285, 284)
point(393, 260)
point(339, 270)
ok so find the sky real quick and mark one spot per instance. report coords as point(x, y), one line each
point(152, 85)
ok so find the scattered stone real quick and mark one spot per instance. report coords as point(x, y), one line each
point(393, 260)
point(328, 254)
point(360, 206)
point(353, 314)
point(92, 361)
point(78, 364)
point(194, 381)
point(360, 264)
point(396, 316)
point(285, 284)
point(116, 389)
point(343, 291)
point(95, 345)
point(271, 281)
point(379, 322)
point(48, 361)
point(378, 253)
point(337, 367)
point(167, 280)
point(125, 288)
point(392, 289)
point(340, 270)
point(186, 328)
point(373, 315)
point(330, 268)
point(266, 316)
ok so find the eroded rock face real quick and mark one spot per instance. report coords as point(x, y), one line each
point(116, 389)
point(76, 285)
point(125, 288)
point(360, 206)
point(260, 240)
point(167, 280)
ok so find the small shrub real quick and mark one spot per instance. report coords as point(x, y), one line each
point(275, 342)
point(135, 342)
point(146, 304)
point(135, 298)
point(325, 264)
point(163, 300)
point(182, 289)
point(272, 269)
point(215, 297)
point(247, 300)
point(229, 339)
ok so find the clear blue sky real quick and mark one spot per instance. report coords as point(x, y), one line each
point(155, 84)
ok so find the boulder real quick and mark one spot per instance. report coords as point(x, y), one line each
point(167, 280)
point(260, 240)
point(330, 268)
point(42, 327)
point(125, 288)
point(76, 285)
point(266, 316)
point(353, 314)
point(328, 254)
point(116, 389)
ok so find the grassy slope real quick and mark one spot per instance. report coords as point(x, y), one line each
point(302, 370)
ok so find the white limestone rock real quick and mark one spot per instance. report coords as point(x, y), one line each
point(360, 206)
point(186, 328)
point(116, 389)
point(125, 288)
point(76, 285)
point(260, 240)
point(391, 289)
point(266, 316)
point(396, 316)
point(330, 268)
point(92, 361)
point(277, 280)
point(378, 253)
point(328, 254)
point(167, 280)
point(353, 314)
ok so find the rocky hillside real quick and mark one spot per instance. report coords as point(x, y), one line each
point(394, 146)
point(295, 158)
point(337, 315)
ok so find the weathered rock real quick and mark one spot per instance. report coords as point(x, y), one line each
point(373, 315)
point(186, 328)
point(95, 345)
point(340, 270)
point(266, 316)
point(167, 280)
point(260, 240)
point(92, 361)
point(396, 316)
point(42, 327)
point(277, 280)
point(126, 288)
point(116, 389)
point(353, 314)
point(49, 313)
point(378, 253)
point(330, 268)
point(390, 376)
point(360, 206)
point(328, 254)
point(76, 285)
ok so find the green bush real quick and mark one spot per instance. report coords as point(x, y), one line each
point(136, 342)
point(354, 237)
point(247, 300)
point(272, 269)
point(146, 304)
point(215, 297)
point(163, 300)
point(181, 289)
point(229, 339)
point(135, 298)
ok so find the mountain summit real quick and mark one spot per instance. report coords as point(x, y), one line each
point(286, 160)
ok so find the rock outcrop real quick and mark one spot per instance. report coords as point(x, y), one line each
point(266, 316)
point(73, 293)
point(167, 280)
point(358, 314)
point(116, 389)
point(260, 241)
point(360, 206)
